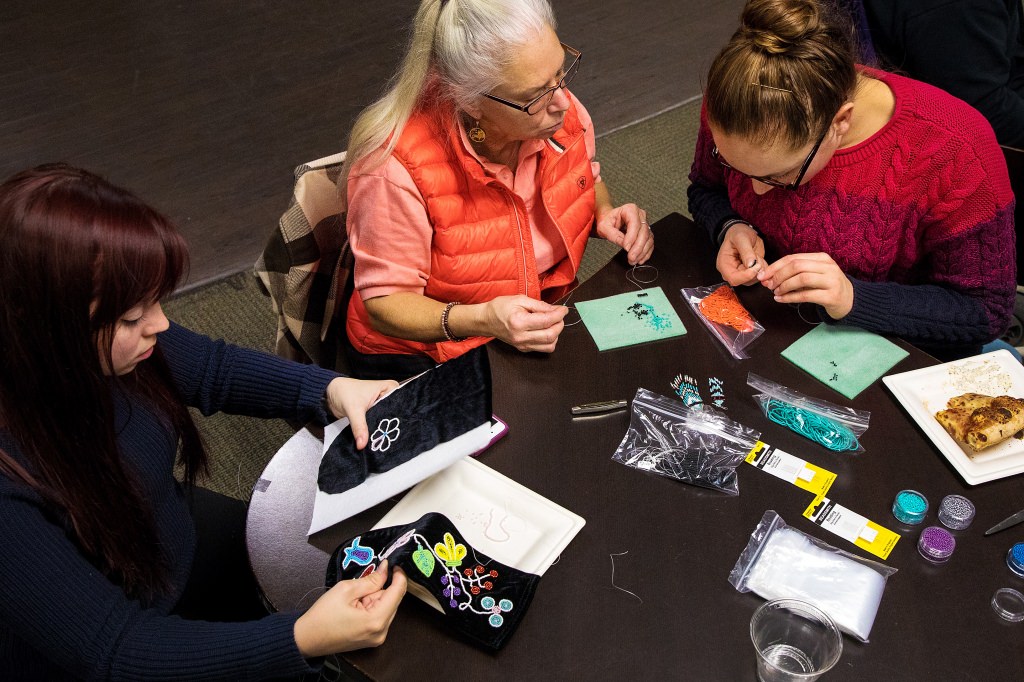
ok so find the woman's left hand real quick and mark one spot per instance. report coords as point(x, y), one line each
point(627, 226)
point(347, 397)
point(810, 278)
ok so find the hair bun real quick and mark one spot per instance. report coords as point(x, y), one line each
point(777, 26)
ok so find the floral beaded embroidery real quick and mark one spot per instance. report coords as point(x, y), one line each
point(459, 590)
point(450, 553)
point(358, 554)
point(404, 539)
point(386, 433)
point(496, 619)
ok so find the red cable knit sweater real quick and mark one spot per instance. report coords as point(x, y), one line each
point(919, 216)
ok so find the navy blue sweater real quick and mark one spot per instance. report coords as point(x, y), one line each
point(61, 617)
point(972, 49)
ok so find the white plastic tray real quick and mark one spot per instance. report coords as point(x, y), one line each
point(923, 392)
point(497, 516)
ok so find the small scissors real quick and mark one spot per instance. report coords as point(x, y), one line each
point(1007, 523)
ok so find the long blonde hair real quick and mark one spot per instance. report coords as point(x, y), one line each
point(458, 50)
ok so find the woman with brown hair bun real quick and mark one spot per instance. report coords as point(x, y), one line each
point(885, 201)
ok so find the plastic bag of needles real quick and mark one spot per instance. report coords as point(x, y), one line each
point(720, 310)
point(697, 446)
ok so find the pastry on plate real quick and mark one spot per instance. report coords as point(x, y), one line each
point(982, 421)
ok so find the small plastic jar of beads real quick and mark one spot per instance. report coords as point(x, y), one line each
point(1015, 559)
point(909, 507)
point(936, 544)
point(956, 512)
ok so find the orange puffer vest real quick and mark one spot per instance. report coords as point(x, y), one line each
point(482, 246)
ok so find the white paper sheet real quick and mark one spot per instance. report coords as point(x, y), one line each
point(329, 509)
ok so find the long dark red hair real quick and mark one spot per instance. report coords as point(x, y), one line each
point(76, 253)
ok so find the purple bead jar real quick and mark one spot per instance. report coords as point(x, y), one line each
point(936, 544)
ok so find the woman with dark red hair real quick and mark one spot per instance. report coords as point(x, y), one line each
point(100, 576)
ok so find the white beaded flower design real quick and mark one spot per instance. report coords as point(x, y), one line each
point(387, 432)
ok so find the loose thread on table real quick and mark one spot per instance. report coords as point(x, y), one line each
point(473, 549)
point(820, 429)
point(621, 589)
point(632, 278)
point(238, 486)
point(331, 663)
point(299, 603)
point(800, 313)
point(477, 559)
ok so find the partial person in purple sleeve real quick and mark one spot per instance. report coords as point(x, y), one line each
point(881, 201)
point(102, 575)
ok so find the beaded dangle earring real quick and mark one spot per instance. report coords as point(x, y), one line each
point(476, 133)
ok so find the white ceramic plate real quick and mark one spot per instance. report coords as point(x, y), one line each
point(499, 517)
point(923, 392)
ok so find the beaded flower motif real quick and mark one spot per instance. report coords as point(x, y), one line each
point(386, 433)
point(460, 586)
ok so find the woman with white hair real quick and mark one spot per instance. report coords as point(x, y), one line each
point(472, 181)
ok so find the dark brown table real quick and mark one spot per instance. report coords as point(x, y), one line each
point(934, 623)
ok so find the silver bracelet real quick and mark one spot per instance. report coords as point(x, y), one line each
point(444, 322)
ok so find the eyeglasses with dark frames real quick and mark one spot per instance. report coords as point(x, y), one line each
point(767, 179)
point(538, 103)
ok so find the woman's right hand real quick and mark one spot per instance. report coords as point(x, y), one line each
point(525, 323)
point(741, 256)
point(354, 614)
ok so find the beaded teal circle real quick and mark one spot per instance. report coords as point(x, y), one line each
point(909, 506)
point(812, 425)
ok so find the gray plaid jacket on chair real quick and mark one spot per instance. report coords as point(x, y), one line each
point(306, 266)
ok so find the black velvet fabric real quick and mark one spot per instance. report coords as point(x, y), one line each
point(483, 599)
point(442, 404)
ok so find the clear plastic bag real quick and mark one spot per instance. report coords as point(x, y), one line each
point(836, 427)
point(780, 562)
point(720, 310)
point(696, 446)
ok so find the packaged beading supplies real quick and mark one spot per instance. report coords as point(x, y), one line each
point(699, 446)
point(780, 562)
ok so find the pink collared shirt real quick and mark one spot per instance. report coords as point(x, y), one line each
point(390, 233)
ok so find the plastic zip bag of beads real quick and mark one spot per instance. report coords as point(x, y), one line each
point(697, 446)
point(836, 427)
point(720, 310)
point(780, 562)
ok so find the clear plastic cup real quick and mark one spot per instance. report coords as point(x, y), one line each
point(795, 641)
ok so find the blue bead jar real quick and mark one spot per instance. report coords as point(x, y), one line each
point(1015, 559)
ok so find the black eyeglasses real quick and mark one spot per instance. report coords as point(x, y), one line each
point(768, 180)
point(539, 103)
